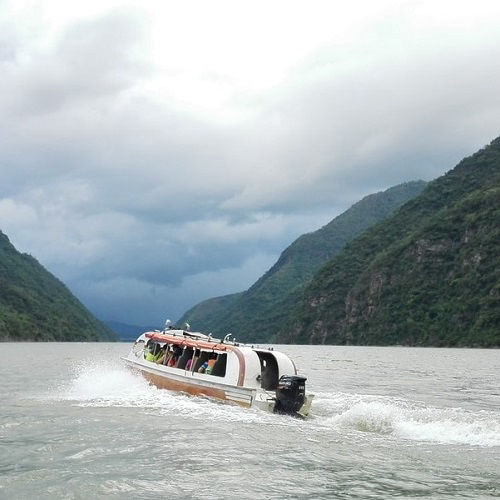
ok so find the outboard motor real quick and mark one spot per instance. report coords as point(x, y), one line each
point(290, 394)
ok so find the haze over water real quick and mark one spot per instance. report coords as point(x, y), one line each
point(75, 423)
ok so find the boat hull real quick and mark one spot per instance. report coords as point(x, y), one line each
point(163, 382)
point(163, 379)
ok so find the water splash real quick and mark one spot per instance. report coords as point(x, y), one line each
point(105, 384)
point(408, 420)
point(97, 384)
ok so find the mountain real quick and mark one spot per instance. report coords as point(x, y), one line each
point(255, 315)
point(428, 275)
point(126, 332)
point(34, 305)
point(206, 315)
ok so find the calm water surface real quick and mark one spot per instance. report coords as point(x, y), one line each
point(386, 422)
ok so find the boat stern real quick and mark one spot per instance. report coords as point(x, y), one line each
point(291, 398)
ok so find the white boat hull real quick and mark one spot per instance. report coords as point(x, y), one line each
point(165, 378)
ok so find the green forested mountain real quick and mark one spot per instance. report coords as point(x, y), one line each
point(34, 305)
point(206, 315)
point(254, 315)
point(427, 275)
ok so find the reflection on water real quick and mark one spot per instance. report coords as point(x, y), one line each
point(385, 421)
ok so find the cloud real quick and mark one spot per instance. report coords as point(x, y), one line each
point(120, 297)
point(91, 60)
point(152, 157)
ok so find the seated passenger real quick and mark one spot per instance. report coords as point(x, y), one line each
point(153, 353)
point(168, 356)
point(203, 367)
point(162, 355)
point(175, 357)
point(210, 365)
point(148, 348)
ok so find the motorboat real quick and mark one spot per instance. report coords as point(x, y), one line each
point(194, 363)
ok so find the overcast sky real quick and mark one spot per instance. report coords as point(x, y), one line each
point(154, 154)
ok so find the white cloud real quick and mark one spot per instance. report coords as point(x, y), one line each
point(14, 214)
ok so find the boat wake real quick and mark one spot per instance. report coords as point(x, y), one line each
point(95, 384)
point(407, 420)
point(114, 385)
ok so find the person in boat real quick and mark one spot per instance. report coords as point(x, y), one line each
point(210, 364)
point(175, 356)
point(163, 355)
point(151, 357)
point(148, 350)
point(153, 352)
point(168, 356)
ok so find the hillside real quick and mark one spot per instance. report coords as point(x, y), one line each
point(428, 275)
point(34, 305)
point(254, 315)
point(206, 315)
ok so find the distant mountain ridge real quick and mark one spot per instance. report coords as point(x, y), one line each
point(256, 314)
point(36, 306)
point(126, 332)
point(428, 275)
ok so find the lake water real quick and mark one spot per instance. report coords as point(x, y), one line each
point(407, 422)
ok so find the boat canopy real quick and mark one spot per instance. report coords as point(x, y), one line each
point(185, 341)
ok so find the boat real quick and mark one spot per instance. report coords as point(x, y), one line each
point(194, 363)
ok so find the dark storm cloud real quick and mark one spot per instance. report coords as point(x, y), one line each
point(144, 208)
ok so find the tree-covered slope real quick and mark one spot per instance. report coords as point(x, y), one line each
point(428, 275)
point(255, 315)
point(34, 305)
point(206, 315)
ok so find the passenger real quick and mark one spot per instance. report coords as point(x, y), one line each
point(175, 356)
point(153, 353)
point(168, 357)
point(203, 367)
point(147, 349)
point(162, 355)
point(188, 364)
point(210, 365)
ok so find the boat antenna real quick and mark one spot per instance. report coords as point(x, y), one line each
point(226, 338)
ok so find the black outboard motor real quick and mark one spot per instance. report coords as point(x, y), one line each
point(290, 394)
